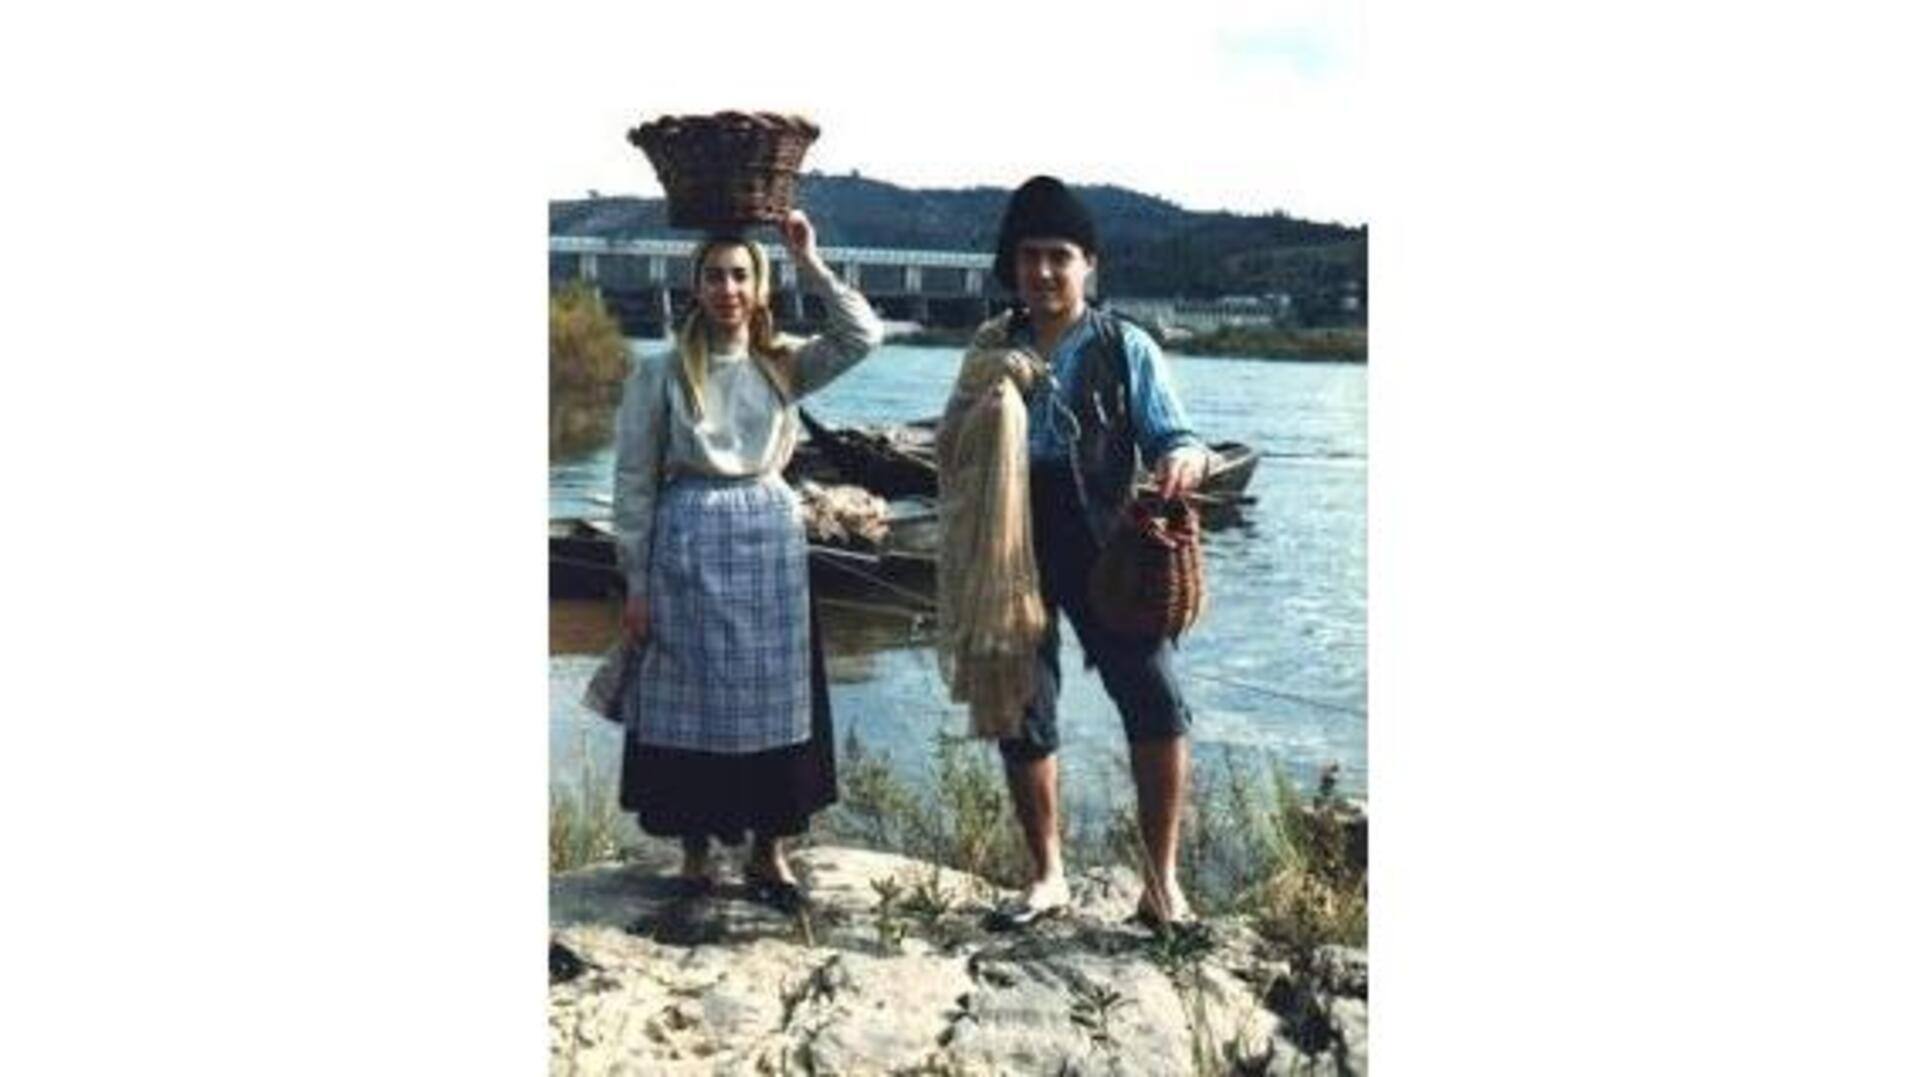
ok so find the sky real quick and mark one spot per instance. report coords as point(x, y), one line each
point(1250, 107)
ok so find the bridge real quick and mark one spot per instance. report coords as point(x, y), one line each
point(648, 283)
point(644, 282)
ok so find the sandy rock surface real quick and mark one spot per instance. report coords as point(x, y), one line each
point(894, 970)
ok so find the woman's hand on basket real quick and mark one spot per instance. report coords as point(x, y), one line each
point(802, 243)
point(635, 621)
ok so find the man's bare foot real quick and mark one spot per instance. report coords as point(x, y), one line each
point(1046, 897)
point(1048, 893)
point(1164, 905)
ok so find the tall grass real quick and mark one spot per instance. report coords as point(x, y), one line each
point(583, 819)
point(964, 820)
point(1313, 893)
point(1248, 847)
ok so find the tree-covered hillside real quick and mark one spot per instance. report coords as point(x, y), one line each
point(1152, 247)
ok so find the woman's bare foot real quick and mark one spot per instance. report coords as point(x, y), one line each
point(767, 862)
point(770, 878)
point(696, 859)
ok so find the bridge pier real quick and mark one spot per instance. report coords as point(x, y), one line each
point(590, 274)
point(787, 304)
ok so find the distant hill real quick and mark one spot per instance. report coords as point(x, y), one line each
point(1151, 247)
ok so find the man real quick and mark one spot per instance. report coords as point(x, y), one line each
point(1108, 404)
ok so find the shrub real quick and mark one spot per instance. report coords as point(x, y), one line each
point(585, 350)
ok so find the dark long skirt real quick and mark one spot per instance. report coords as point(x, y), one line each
point(680, 793)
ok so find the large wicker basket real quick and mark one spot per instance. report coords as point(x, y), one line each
point(727, 170)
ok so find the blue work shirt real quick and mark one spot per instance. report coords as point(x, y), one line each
point(1159, 422)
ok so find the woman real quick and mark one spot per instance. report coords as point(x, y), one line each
point(728, 730)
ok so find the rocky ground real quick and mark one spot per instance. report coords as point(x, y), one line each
point(894, 971)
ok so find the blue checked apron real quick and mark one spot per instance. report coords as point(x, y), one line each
point(725, 666)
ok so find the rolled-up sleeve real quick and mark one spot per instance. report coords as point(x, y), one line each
point(640, 434)
point(852, 331)
point(1161, 422)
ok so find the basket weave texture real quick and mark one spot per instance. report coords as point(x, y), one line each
point(726, 170)
point(1149, 579)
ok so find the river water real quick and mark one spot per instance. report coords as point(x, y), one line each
point(1275, 670)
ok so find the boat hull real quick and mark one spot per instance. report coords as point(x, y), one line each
point(581, 565)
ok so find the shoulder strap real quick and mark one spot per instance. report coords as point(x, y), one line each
point(1110, 333)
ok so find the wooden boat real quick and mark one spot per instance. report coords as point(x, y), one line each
point(893, 580)
point(888, 463)
point(913, 525)
point(897, 464)
point(1232, 471)
point(580, 559)
point(899, 461)
point(581, 564)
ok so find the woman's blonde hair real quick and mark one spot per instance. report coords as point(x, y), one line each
point(773, 355)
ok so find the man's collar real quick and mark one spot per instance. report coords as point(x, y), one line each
point(1026, 332)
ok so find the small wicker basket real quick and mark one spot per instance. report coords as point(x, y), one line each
point(727, 170)
point(1149, 578)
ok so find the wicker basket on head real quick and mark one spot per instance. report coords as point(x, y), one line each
point(727, 170)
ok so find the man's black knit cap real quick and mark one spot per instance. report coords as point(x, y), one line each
point(1042, 208)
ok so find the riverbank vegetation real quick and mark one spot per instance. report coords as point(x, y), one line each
point(586, 355)
point(586, 365)
point(1334, 345)
point(934, 337)
point(1346, 345)
point(1252, 844)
